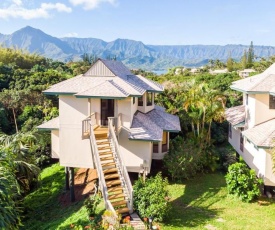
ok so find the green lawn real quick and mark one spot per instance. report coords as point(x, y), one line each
point(201, 203)
point(44, 210)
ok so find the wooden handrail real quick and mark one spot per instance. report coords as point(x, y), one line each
point(87, 127)
point(124, 173)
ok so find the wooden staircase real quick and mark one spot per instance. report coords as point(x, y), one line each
point(116, 193)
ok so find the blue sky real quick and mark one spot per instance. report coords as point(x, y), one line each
point(166, 22)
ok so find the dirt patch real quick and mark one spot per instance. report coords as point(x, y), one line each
point(84, 185)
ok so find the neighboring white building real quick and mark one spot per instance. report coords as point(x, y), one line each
point(252, 125)
point(108, 120)
point(246, 73)
point(218, 71)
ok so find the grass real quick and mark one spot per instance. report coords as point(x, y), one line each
point(201, 203)
point(43, 209)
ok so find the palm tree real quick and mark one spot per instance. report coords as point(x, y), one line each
point(16, 147)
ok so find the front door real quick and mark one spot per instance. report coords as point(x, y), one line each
point(107, 110)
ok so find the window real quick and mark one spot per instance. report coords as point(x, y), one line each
point(149, 97)
point(271, 102)
point(230, 130)
point(134, 100)
point(241, 140)
point(140, 101)
point(246, 99)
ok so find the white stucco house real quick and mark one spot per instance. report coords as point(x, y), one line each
point(252, 125)
point(246, 73)
point(108, 121)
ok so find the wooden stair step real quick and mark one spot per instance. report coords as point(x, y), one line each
point(104, 148)
point(123, 210)
point(115, 189)
point(119, 203)
point(105, 153)
point(99, 139)
point(116, 196)
point(106, 158)
point(103, 142)
point(108, 164)
point(110, 170)
point(111, 176)
point(113, 182)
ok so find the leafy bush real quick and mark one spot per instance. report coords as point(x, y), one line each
point(243, 182)
point(151, 197)
point(184, 159)
point(91, 203)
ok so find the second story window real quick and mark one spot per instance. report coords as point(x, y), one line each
point(271, 102)
point(134, 100)
point(246, 99)
point(140, 101)
point(149, 97)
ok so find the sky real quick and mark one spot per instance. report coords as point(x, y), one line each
point(154, 22)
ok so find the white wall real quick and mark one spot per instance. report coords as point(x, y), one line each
point(235, 140)
point(74, 152)
point(145, 108)
point(95, 104)
point(124, 107)
point(135, 152)
point(256, 158)
point(263, 113)
point(251, 113)
point(55, 143)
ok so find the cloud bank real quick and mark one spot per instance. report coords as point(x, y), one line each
point(17, 10)
point(91, 4)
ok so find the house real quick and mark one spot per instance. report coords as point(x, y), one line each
point(108, 121)
point(218, 71)
point(252, 124)
point(246, 73)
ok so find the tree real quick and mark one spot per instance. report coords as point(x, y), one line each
point(250, 55)
point(151, 197)
point(244, 60)
point(229, 63)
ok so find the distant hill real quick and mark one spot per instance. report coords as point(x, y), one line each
point(134, 54)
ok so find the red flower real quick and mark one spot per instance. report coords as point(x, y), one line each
point(87, 227)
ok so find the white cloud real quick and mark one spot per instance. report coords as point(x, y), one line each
point(73, 35)
point(91, 4)
point(17, 10)
point(17, 2)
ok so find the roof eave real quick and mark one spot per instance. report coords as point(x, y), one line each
point(58, 93)
point(102, 97)
point(146, 140)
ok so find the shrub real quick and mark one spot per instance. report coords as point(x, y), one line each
point(243, 182)
point(91, 203)
point(184, 159)
point(151, 197)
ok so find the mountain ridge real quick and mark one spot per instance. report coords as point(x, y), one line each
point(135, 54)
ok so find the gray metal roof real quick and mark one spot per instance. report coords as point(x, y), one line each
point(50, 125)
point(150, 126)
point(235, 115)
point(262, 135)
point(264, 82)
point(123, 84)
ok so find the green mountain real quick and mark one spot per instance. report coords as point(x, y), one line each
point(134, 54)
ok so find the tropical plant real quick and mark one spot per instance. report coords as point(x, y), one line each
point(9, 191)
point(243, 182)
point(151, 197)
